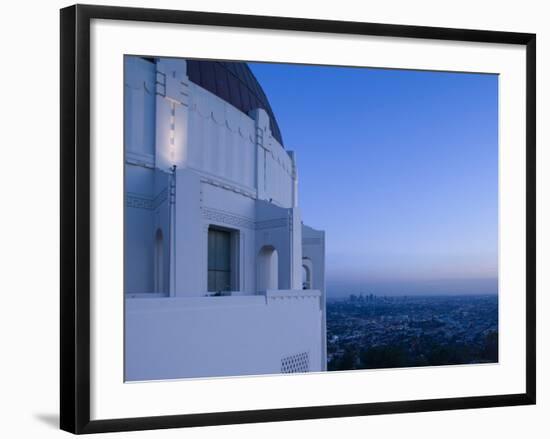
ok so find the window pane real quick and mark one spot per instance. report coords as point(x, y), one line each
point(211, 249)
point(222, 281)
point(219, 260)
point(223, 250)
point(211, 280)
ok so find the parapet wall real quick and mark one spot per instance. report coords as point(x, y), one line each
point(277, 332)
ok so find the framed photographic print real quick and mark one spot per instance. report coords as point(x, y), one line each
point(271, 218)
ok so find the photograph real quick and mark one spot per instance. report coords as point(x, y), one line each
point(297, 218)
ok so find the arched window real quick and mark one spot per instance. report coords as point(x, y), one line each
point(268, 269)
point(307, 274)
point(159, 262)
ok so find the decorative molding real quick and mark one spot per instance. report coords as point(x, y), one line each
point(160, 83)
point(160, 198)
point(291, 220)
point(140, 159)
point(140, 201)
point(227, 218)
point(220, 216)
point(289, 295)
point(211, 107)
point(271, 224)
point(217, 182)
point(311, 241)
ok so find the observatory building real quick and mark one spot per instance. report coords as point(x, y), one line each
point(221, 277)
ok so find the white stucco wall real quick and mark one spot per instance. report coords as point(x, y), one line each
point(197, 129)
point(280, 228)
point(146, 187)
point(225, 170)
point(221, 139)
point(140, 108)
point(202, 202)
point(313, 256)
point(220, 336)
point(230, 172)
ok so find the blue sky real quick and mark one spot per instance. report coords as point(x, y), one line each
point(400, 168)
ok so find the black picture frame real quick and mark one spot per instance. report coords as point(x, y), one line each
point(75, 217)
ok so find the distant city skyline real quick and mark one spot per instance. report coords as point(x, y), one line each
point(400, 168)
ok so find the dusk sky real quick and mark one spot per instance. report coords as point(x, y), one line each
point(400, 168)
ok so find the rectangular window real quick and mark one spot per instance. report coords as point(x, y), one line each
point(219, 260)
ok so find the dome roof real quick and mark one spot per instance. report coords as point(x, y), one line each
point(235, 83)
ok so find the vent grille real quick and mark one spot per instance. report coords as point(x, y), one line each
point(298, 363)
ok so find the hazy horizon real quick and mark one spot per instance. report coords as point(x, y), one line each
point(400, 168)
point(432, 287)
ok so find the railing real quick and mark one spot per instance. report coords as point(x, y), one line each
point(228, 296)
